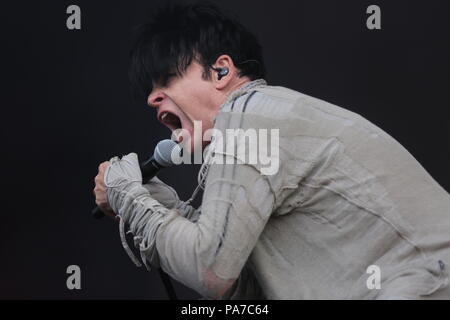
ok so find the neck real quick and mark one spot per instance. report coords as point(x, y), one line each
point(238, 83)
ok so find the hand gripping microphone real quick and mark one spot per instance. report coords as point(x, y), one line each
point(165, 152)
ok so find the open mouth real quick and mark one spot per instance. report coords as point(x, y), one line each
point(170, 120)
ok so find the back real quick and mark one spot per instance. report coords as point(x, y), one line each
point(348, 196)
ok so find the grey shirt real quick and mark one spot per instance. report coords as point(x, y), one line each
point(346, 197)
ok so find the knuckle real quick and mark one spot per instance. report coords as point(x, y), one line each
point(104, 165)
point(98, 179)
point(100, 202)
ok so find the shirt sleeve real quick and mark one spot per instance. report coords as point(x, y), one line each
point(209, 254)
point(246, 287)
point(168, 197)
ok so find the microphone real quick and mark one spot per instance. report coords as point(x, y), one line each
point(165, 153)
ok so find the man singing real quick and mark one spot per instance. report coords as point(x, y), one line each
point(344, 198)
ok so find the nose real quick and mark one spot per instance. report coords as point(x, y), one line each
point(156, 98)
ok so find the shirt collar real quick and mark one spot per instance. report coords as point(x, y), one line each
point(243, 90)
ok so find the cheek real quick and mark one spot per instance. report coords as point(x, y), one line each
point(185, 96)
point(192, 97)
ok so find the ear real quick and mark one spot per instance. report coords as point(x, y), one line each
point(224, 61)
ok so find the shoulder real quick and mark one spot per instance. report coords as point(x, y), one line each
point(265, 101)
point(280, 93)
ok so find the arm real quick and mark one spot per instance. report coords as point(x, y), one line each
point(207, 255)
point(246, 287)
point(168, 197)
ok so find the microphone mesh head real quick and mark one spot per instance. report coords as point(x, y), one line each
point(165, 152)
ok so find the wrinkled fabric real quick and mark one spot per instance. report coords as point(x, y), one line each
point(346, 196)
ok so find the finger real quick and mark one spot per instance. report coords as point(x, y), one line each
point(99, 180)
point(100, 166)
point(101, 197)
point(103, 166)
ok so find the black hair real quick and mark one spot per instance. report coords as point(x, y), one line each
point(177, 34)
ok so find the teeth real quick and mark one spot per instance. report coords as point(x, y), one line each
point(164, 115)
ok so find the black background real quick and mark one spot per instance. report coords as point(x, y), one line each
point(67, 106)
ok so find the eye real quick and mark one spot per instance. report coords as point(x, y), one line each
point(163, 81)
point(170, 76)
